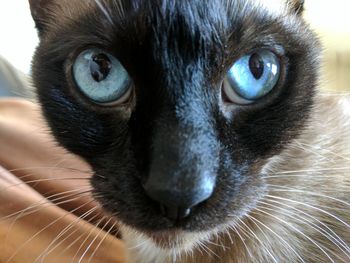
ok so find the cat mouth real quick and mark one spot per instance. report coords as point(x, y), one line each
point(158, 221)
point(129, 203)
point(175, 213)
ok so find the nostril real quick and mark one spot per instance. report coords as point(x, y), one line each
point(174, 198)
point(177, 203)
point(179, 192)
point(175, 213)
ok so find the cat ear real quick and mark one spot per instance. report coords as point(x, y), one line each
point(40, 13)
point(296, 6)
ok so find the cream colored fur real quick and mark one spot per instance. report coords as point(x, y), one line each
point(305, 217)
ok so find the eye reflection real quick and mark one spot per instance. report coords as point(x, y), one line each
point(252, 77)
point(101, 77)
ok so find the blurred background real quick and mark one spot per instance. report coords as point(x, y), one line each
point(331, 20)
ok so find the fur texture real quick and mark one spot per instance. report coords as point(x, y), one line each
point(305, 215)
point(280, 164)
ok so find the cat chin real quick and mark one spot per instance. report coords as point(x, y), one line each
point(164, 246)
point(176, 239)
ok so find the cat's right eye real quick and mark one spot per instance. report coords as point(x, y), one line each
point(101, 77)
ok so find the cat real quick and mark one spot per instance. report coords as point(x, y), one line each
point(203, 123)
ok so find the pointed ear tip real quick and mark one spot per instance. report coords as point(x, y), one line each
point(36, 4)
point(38, 11)
point(297, 6)
point(32, 3)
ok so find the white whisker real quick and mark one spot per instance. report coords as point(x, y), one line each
point(278, 236)
point(258, 239)
point(278, 188)
point(48, 249)
point(104, 11)
point(312, 172)
point(43, 203)
point(43, 229)
point(87, 238)
point(336, 236)
point(298, 231)
point(309, 224)
point(236, 230)
point(93, 241)
point(311, 206)
point(101, 242)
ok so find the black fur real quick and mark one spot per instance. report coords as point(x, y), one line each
point(177, 53)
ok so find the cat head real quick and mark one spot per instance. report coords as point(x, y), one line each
point(177, 105)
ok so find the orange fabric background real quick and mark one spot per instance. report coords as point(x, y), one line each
point(32, 169)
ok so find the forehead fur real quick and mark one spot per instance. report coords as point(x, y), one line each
point(280, 6)
point(208, 22)
point(66, 10)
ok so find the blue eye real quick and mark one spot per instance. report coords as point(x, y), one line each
point(252, 77)
point(101, 77)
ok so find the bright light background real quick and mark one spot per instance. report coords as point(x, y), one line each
point(18, 37)
point(331, 19)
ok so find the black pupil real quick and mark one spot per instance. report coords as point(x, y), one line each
point(100, 66)
point(256, 65)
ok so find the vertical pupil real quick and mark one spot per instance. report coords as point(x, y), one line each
point(100, 66)
point(256, 65)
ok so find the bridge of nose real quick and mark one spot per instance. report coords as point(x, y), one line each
point(183, 166)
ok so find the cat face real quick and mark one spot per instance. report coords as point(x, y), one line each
point(177, 105)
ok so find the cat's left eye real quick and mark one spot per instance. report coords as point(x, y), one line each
point(101, 77)
point(252, 77)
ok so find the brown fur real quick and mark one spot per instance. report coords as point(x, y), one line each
point(312, 194)
point(296, 5)
point(305, 216)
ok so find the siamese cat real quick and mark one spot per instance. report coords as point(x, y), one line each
point(204, 125)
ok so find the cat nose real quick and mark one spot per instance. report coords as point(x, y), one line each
point(183, 164)
point(177, 197)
